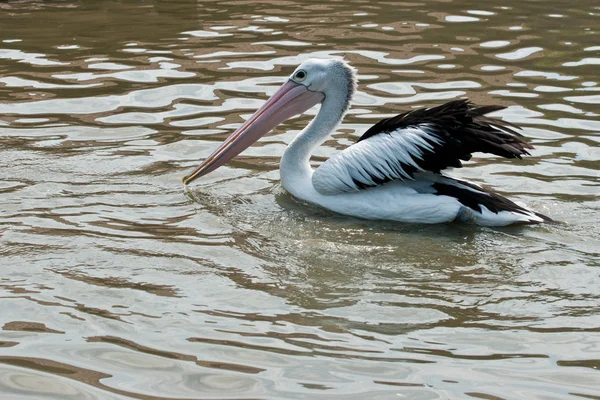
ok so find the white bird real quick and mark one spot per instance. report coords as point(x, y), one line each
point(394, 171)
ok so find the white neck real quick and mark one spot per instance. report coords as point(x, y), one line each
point(295, 167)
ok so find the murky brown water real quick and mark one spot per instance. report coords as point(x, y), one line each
point(115, 283)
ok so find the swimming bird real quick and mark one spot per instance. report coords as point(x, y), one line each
point(395, 171)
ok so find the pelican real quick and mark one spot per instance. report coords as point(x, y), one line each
point(395, 169)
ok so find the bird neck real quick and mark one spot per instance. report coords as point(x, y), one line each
point(295, 164)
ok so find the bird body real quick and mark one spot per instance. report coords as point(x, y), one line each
point(395, 170)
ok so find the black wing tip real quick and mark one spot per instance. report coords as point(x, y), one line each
point(473, 197)
point(546, 218)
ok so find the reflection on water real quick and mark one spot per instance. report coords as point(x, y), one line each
point(117, 283)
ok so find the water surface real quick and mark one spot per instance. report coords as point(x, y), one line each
point(117, 283)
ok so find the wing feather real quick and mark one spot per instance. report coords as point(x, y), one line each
point(421, 140)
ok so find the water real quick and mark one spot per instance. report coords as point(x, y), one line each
point(116, 283)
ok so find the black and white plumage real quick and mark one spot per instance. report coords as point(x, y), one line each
point(395, 170)
point(427, 139)
point(418, 144)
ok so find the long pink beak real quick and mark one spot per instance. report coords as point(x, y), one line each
point(290, 99)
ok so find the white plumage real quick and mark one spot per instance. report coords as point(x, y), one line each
point(380, 158)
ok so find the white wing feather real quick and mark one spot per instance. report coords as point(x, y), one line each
point(380, 158)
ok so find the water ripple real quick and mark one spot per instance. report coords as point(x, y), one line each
point(118, 283)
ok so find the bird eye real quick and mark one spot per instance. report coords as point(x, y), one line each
point(300, 75)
